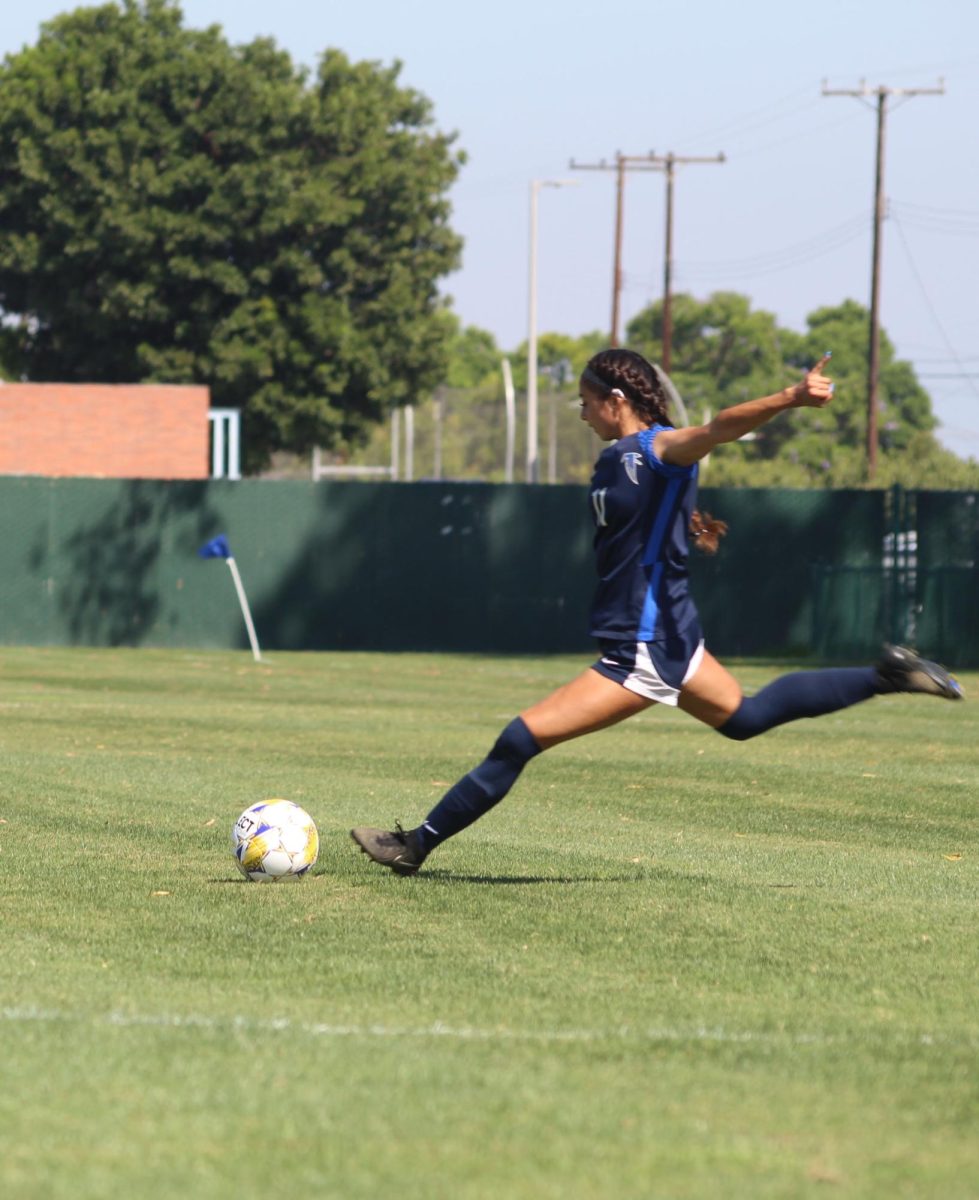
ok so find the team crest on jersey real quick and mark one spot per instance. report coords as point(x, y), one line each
point(631, 460)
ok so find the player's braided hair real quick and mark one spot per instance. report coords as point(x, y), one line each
point(637, 378)
point(639, 381)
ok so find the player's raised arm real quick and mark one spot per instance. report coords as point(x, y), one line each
point(689, 445)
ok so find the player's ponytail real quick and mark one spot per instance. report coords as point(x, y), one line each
point(706, 531)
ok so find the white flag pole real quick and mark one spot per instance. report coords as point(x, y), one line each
point(245, 610)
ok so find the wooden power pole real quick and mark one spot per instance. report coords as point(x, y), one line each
point(644, 162)
point(622, 164)
point(669, 162)
point(873, 349)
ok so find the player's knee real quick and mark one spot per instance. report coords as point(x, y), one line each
point(515, 744)
point(743, 723)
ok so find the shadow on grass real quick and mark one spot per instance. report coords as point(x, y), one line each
point(439, 876)
point(505, 880)
point(451, 877)
point(236, 879)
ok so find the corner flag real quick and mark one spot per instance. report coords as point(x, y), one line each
point(218, 547)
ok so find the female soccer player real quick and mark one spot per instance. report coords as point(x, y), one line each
point(652, 648)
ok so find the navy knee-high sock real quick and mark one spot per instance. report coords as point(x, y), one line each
point(484, 786)
point(801, 694)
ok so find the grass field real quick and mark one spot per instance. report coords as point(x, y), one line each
point(667, 966)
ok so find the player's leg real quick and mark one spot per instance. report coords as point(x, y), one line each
point(589, 702)
point(713, 696)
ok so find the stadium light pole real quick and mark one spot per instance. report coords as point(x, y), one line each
point(533, 461)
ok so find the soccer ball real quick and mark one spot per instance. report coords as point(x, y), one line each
point(274, 840)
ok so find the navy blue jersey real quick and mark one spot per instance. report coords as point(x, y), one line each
point(642, 509)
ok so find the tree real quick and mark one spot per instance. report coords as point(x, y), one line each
point(473, 355)
point(725, 352)
point(926, 464)
point(179, 209)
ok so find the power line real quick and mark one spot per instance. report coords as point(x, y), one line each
point(934, 315)
point(781, 259)
point(963, 213)
point(883, 94)
point(758, 118)
point(936, 220)
point(952, 431)
point(795, 137)
point(768, 263)
point(945, 358)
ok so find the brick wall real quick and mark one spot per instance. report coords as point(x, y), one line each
point(124, 431)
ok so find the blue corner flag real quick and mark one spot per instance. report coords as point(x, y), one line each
point(217, 547)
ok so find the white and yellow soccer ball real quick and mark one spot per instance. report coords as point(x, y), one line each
point(274, 840)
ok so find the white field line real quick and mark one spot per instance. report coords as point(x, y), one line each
point(624, 1033)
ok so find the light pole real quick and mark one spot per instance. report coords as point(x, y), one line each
point(509, 400)
point(533, 464)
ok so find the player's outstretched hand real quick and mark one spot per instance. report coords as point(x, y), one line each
point(815, 390)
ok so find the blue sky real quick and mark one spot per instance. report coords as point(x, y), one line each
point(786, 219)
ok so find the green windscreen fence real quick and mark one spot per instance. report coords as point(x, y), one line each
point(471, 567)
point(945, 583)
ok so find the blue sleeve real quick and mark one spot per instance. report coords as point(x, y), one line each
point(670, 470)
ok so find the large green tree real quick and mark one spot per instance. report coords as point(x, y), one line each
point(175, 208)
point(724, 352)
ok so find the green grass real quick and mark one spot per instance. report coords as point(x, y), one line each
point(667, 966)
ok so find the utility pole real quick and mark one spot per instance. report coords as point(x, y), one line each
point(617, 269)
point(669, 163)
point(644, 162)
point(873, 350)
point(622, 164)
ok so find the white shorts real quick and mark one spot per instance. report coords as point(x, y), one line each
point(655, 670)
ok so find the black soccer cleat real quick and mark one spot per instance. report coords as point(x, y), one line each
point(902, 670)
point(400, 851)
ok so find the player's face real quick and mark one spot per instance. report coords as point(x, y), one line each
point(600, 412)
